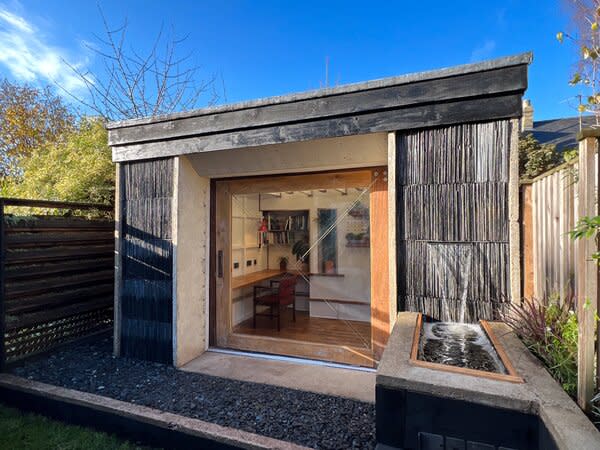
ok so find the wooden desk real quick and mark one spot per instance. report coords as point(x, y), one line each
point(267, 274)
point(254, 277)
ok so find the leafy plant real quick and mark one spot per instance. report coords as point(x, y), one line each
point(596, 407)
point(570, 155)
point(587, 227)
point(586, 41)
point(549, 329)
point(300, 250)
point(536, 158)
point(78, 168)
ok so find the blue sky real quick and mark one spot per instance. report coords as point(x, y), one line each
point(264, 48)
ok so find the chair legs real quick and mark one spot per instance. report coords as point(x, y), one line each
point(272, 314)
point(279, 317)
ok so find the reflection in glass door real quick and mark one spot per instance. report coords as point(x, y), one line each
point(300, 267)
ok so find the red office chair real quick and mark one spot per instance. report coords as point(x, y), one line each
point(276, 297)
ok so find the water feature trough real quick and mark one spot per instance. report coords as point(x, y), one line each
point(471, 349)
point(452, 396)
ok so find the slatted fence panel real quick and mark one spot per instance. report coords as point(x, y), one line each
point(57, 279)
point(553, 215)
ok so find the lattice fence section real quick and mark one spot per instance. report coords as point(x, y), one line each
point(57, 276)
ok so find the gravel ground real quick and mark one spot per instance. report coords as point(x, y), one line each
point(313, 420)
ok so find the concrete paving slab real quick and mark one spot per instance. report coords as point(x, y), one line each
point(322, 379)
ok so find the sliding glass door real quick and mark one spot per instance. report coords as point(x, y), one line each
point(295, 258)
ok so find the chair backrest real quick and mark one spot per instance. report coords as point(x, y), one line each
point(286, 290)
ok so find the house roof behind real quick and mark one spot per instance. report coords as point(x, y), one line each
point(560, 132)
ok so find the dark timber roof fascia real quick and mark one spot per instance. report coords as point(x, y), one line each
point(508, 61)
point(340, 111)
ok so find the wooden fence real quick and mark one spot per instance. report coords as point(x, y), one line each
point(56, 275)
point(549, 212)
point(553, 264)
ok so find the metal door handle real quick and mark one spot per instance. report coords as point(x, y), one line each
point(220, 264)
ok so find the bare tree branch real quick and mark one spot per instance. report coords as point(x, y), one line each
point(130, 83)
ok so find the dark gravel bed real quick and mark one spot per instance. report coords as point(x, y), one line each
point(313, 420)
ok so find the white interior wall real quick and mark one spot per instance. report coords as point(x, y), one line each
point(353, 262)
point(246, 219)
point(190, 262)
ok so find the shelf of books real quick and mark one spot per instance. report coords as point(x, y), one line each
point(286, 227)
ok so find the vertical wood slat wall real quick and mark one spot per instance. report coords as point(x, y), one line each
point(553, 214)
point(147, 260)
point(453, 190)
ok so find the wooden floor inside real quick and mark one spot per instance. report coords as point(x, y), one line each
point(311, 329)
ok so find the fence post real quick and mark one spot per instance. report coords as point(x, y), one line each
point(2, 306)
point(587, 282)
point(527, 247)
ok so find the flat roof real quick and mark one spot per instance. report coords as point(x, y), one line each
point(507, 61)
point(484, 91)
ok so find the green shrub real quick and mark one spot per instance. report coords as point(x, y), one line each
point(536, 158)
point(549, 329)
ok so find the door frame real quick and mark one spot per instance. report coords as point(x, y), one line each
point(220, 326)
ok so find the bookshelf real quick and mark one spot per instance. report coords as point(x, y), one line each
point(286, 226)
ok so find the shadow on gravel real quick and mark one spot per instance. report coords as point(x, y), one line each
point(313, 420)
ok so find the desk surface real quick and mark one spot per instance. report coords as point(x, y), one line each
point(262, 275)
point(254, 277)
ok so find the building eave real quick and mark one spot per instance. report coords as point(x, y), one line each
point(345, 108)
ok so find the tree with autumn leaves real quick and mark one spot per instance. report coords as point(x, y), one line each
point(29, 117)
point(586, 39)
point(49, 152)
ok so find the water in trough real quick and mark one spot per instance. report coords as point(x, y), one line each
point(459, 344)
point(456, 343)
